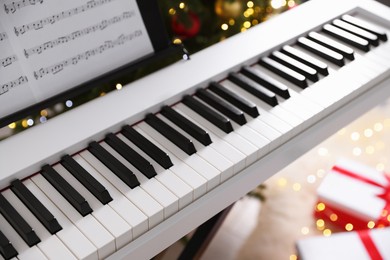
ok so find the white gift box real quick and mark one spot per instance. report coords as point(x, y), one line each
point(346, 245)
point(354, 192)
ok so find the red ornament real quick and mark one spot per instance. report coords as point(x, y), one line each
point(186, 30)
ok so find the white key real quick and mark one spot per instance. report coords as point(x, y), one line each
point(151, 208)
point(182, 170)
point(166, 177)
point(125, 208)
point(277, 111)
point(235, 140)
point(70, 235)
point(274, 136)
point(285, 128)
point(50, 245)
point(103, 213)
point(298, 105)
point(203, 168)
point(154, 188)
point(88, 225)
point(224, 165)
point(24, 251)
point(221, 146)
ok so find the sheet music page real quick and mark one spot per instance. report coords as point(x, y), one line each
point(49, 46)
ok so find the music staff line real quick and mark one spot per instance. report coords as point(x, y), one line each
point(14, 6)
point(3, 36)
point(77, 34)
point(8, 61)
point(56, 68)
point(12, 84)
point(39, 24)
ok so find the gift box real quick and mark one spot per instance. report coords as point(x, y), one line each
point(357, 245)
point(354, 196)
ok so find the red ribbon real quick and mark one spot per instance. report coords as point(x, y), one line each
point(382, 220)
point(370, 246)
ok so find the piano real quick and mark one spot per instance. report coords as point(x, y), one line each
point(197, 135)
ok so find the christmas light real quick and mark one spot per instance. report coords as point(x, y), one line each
point(380, 167)
point(355, 136)
point(172, 11)
point(320, 206)
point(305, 230)
point(24, 123)
point(327, 232)
point(357, 151)
point(371, 224)
point(368, 132)
point(12, 125)
point(297, 187)
point(293, 257)
point(333, 217)
point(44, 112)
point(320, 223)
point(177, 41)
point(276, 4)
point(247, 24)
point(291, 3)
point(182, 5)
point(349, 227)
point(311, 179)
point(320, 173)
point(231, 22)
point(378, 127)
point(118, 86)
point(282, 182)
point(69, 103)
point(43, 119)
point(224, 26)
point(250, 4)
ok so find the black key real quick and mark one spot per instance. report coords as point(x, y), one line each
point(293, 64)
point(171, 134)
point(217, 119)
point(222, 106)
point(188, 126)
point(35, 206)
point(131, 156)
point(366, 26)
point(148, 147)
point(18, 223)
point(86, 179)
point(66, 190)
point(321, 51)
point(287, 73)
point(347, 37)
point(333, 45)
point(240, 102)
point(7, 250)
point(254, 88)
point(123, 173)
point(266, 81)
point(372, 38)
point(310, 61)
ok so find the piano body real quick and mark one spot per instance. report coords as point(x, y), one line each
point(327, 105)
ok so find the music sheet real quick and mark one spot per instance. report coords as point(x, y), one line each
point(49, 46)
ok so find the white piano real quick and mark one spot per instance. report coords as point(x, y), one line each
point(218, 174)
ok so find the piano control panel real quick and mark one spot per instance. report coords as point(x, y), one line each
point(168, 161)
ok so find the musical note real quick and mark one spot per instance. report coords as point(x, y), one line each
point(14, 6)
point(57, 17)
point(58, 67)
point(3, 36)
point(12, 84)
point(78, 34)
point(8, 61)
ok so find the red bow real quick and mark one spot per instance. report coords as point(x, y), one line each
point(383, 218)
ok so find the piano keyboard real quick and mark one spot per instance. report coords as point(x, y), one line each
point(82, 189)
